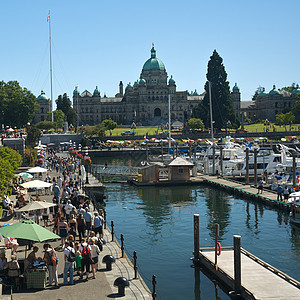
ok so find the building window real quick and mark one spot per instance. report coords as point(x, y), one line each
point(180, 170)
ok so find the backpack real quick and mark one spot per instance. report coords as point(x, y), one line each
point(53, 259)
point(85, 251)
point(71, 257)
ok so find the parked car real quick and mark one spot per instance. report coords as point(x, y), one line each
point(128, 132)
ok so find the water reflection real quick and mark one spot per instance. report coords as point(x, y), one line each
point(218, 210)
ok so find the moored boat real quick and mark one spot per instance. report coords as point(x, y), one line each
point(295, 214)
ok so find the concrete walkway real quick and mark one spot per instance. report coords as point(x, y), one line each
point(100, 288)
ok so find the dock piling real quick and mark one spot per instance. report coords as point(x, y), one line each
point(237, 264)
point(216, 245)
point(294, 170)
point(255, 167)
point(196, 239)
point(247, 165)
point(135, 264)
point(122, 244)
point(112, 231)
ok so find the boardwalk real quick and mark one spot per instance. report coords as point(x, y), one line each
point(267, 196)
point(258, 281)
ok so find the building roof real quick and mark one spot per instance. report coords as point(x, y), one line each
point(274, 91)
point(112, 99)
point(42, 96)
point(86, 93)
point(178, 161)
point(153, 63)
point(246, 104)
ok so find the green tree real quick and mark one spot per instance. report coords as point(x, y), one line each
point(222, 107)
point(108, 124)
point(58, 118)
point(296, 111)
point(285, 119)
point(194, 123)
point(33, 136)
point(10, 161)
point(46, 125)
point(17, 105)
point(64, 104)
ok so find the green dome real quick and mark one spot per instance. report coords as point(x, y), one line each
point(274, 91)
point(136, 83)
point(235, 88)
point(296, 90)
point(262, 93)
point(96, 91)
point(153, 63)
point(76, 90)
point(129, 85)
point(142, 81)
point(171, 80)
point(42, 96)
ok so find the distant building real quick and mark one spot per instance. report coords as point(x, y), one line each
point(146, 101)
point(44, 106)
point(268, 105)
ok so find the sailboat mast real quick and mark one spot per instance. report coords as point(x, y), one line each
point(51, 90)
point(210, 112)
point(169, 123)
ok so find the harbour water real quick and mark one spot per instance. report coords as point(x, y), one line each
point(157, 223)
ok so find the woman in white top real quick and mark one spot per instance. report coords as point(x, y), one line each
point(95, 251)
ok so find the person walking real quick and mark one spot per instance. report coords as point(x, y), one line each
point(95, 251)
point(69, 258)
point(279, 192)
point(260, 186)
point(85, 250)
point(98, 222)
point(286, 193)
point(51, 262)
point(88, 220)
point(80, 226)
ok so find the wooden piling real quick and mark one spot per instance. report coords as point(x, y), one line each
point(237, 263)
point(214, 160)
point(221, 161)
point(196, 238)
point(216, 245)
point(294, 170)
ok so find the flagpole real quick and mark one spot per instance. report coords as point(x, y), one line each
point(51, 108)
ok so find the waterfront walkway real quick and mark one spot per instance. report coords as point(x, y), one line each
point(100, 288)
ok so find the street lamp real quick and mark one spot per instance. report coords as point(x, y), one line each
point(87, 163)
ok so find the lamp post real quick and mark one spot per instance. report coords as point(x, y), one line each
point(87, 163)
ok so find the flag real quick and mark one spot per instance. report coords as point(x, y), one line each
point(48, 18)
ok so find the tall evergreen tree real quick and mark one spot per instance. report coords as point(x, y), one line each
point(64, 104)
point(222, 107)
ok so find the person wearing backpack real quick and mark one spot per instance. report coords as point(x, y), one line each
point(95, 251)
point(51, 262)
point(86, 259)
point(69, 257)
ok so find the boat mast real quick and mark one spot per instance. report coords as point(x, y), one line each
point(169, 123)
point(210, 112)
point(51, 107)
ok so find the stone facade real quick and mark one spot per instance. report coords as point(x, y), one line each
point(268, 105)
point(44, 106)
point(145, 102)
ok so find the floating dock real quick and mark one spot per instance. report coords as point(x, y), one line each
point(259, 280)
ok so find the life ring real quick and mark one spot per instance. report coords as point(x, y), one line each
point(219, 248)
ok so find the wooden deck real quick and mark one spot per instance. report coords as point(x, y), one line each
point(259, 280)
point(268, 196)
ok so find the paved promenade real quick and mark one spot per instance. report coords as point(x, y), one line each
point(100, 288)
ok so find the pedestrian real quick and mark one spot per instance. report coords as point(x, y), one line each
point(98, 222)
point(260, 186)
point(80, 226)
point(68, 209)
point(69, 257)
point(85, 251)
point(51, 262)
point(95, 251)
point(72, 225)
point(62, 230)
point(88, 220)
point(279, 192)
point(285, 193)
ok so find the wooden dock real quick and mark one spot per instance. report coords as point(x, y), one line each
point(259, 280)
point(268, 197)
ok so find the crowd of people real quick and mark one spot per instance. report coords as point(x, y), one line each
point(73, 219)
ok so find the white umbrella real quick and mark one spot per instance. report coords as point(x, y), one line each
point(37, 170)
point(36, 184)
point(24, 174)
point(36, 205)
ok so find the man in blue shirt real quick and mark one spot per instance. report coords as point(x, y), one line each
point(98, 222)
point(279, 192)
point(88, 219)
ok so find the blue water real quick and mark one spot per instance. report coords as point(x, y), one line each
point(157, 223)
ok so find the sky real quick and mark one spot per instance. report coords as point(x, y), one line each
point(99, 43)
